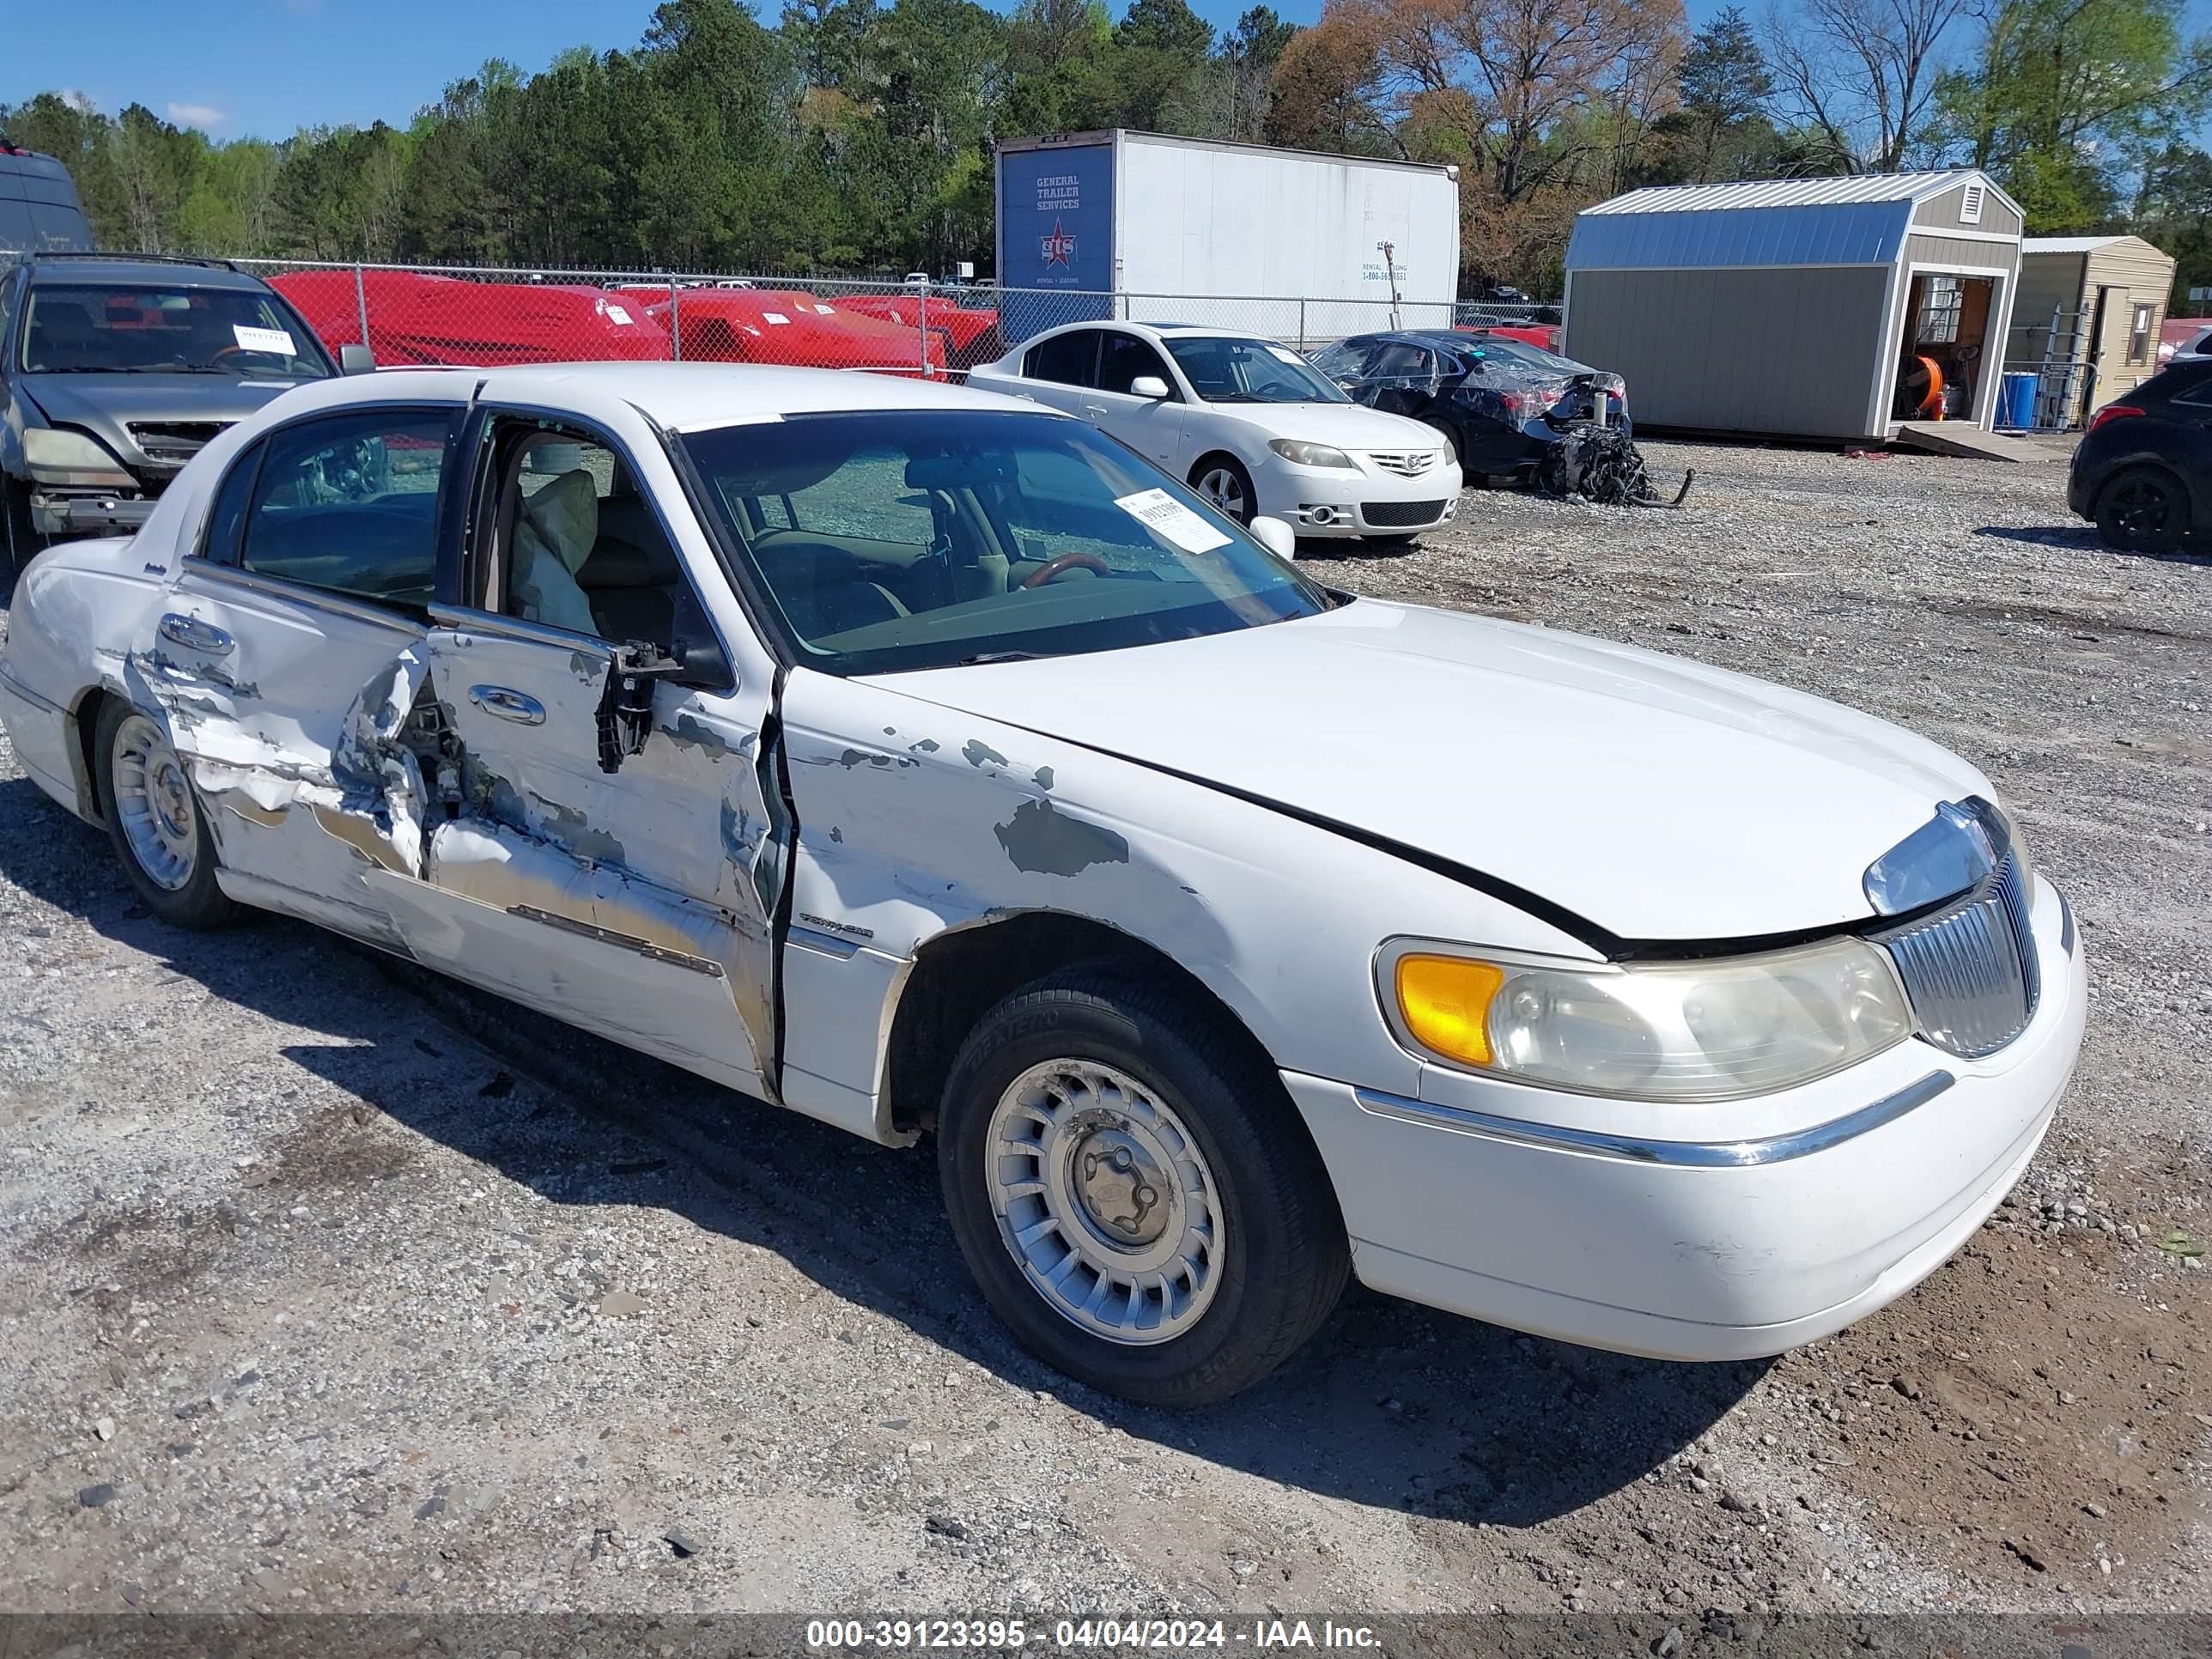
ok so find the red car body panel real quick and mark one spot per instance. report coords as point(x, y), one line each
point(1545, 336)
point(792, 326)
point(417, 318)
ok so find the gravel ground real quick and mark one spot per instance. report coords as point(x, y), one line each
point(330, 1288)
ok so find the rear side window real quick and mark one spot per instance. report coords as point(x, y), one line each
point(2192, 384)
point(350, 505)
point(227, 516)
point(1067, 359)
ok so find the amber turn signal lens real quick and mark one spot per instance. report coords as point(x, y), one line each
point(1445, 1001)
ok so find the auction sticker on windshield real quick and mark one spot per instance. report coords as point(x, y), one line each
point(263, 339)
point(1164, 515)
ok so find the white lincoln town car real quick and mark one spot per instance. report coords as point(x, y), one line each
point(925, 761)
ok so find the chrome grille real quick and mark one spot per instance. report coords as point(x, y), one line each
point(1971, 969)
point(1406, 463)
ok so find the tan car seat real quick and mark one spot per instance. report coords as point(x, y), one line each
point(553, 537)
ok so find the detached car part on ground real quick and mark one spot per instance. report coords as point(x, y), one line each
point(2143, 472)
point(1508, 408)
point(921, 760)
point(114, 370)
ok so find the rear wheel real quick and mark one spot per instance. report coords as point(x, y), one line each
point(1223, 480)
point(1125, 1189)
point(2143, 510)
point(155, 821)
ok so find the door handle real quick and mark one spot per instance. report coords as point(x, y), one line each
point(196, 636)
point(1094, 412)
point(516, 706)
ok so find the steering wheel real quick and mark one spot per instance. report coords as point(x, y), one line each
point(221, 352)
point(1091, 562)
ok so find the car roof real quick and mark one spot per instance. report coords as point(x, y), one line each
point(681, 397)
point(1157, 331)
point(120, 270)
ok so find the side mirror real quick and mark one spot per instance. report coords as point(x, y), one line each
point(701, 664)
point(1148, 386)
point(356, 360)
point(1277, 538)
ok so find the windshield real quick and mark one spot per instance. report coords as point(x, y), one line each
point(105, 329)
point(923, 538)
point(1240, 371)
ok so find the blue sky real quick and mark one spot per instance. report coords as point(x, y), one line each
point(268, 67)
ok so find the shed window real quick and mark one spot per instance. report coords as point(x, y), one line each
point(1970, 205)
point(2139, 335)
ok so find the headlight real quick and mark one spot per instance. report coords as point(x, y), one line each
point(1298, 455)
point(1688, 1030)
point(2009, 822)
point(58, 456)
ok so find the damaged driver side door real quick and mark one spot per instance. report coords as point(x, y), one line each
point(602, 847)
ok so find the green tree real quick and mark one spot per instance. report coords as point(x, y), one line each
point(2059, 94)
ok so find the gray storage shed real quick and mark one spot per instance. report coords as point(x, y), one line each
point(1809, 307)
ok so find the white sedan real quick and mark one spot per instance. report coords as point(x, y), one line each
point(920, 760)
point(1247, 422)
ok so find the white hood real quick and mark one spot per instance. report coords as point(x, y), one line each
point(1654, 797)
point(1342, 426)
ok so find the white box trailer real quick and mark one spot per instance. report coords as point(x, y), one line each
point(1192, 230)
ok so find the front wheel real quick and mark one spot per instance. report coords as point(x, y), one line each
point(2143, 511)
point(1223, 480)
point(1134, 1195)
point(155, 821)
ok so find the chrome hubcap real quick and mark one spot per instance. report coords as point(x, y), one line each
point(1105, 1200)
point(1221, 487)
point(154, 801)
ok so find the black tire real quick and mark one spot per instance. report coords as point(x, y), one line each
point(1234, 468)
point(2142, 510)
point(199, 902)
point(1283, 1259)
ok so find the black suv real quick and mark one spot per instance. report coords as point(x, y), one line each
point(2143, 470)
point(114, 370)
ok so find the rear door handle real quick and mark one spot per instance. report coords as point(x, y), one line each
point(519, 707)
point(196, 636)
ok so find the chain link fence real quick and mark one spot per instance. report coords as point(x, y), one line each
point(484, 317)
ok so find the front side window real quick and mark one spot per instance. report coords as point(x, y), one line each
point(1231, 370)
point(106, 329)
point(1045, 539)
point(1345, 361)
point(581, 547)
point(1123, 360)
point(1066, 358)
point(350, 505)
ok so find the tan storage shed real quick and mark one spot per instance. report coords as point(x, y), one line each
point(2087, 321)
point(1805, 307)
